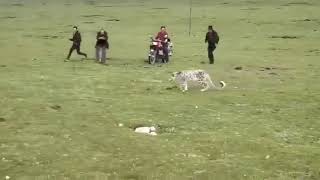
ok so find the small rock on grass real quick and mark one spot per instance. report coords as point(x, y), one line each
point(238, 68)
point(146, 130)
point(2, 119)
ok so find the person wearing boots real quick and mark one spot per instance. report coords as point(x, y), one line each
point(101, 46)
point(212, 39)
point(76, 43)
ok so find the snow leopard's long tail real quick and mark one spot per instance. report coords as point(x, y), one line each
point(222, 83)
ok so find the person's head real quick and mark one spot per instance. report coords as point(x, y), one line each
point(210, 28)
point(101, 30)
point(75, 28)
point(163, 28)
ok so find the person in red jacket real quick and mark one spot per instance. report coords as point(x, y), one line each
point(163, 36)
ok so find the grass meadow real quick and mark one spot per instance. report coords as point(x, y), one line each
point(59, 120)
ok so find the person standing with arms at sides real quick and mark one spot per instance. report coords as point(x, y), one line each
point(101, 46)
point(163, 36)
point(212, 39)
point(76, 39)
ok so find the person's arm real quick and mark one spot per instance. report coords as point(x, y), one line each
point(71, 39)
point(106, 36)
point(207, 38)
point(217, 37)
point(79, 37)
point(158, 35)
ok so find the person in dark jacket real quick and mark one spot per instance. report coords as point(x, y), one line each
point(212, 39)
point(76, 39)
point(101, 46)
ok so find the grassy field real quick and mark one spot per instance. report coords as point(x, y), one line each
point(59, 120)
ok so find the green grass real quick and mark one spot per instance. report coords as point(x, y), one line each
point(264, 125)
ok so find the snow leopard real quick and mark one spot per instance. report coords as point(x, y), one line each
point(201, 76)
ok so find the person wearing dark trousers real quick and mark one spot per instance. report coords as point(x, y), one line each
point(101, 46)
point(76, 39)
point(163, 37)
point(212, 39)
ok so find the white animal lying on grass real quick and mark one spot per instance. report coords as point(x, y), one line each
point(146, 130)
point(200, 76)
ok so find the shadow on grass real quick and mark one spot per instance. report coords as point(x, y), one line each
point(9, 17)
point(17, 4)
point(298, 4)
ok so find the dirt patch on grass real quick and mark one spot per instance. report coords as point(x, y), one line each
point(298, 4)
point(306, 20)
point(238, 68)
point(314, 51)
point(273, 68)
point(302, 20)
point(48, 37)
point(104, 6)
point(274, 74)
point(92, 15)
point(278, 49)
point(90, 2)
point(160, 8)
point(172, 88)
point(266, 68)
point(17, 4)
point(250, 9)
point(89, 22)
point(2, 119)
point(113, 20)
point(285, 37)
point(9, 17)
point(55, 107)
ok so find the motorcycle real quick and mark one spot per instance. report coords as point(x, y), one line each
point(156, 52)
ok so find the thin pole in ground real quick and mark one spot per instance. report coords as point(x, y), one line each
point(190, 15)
